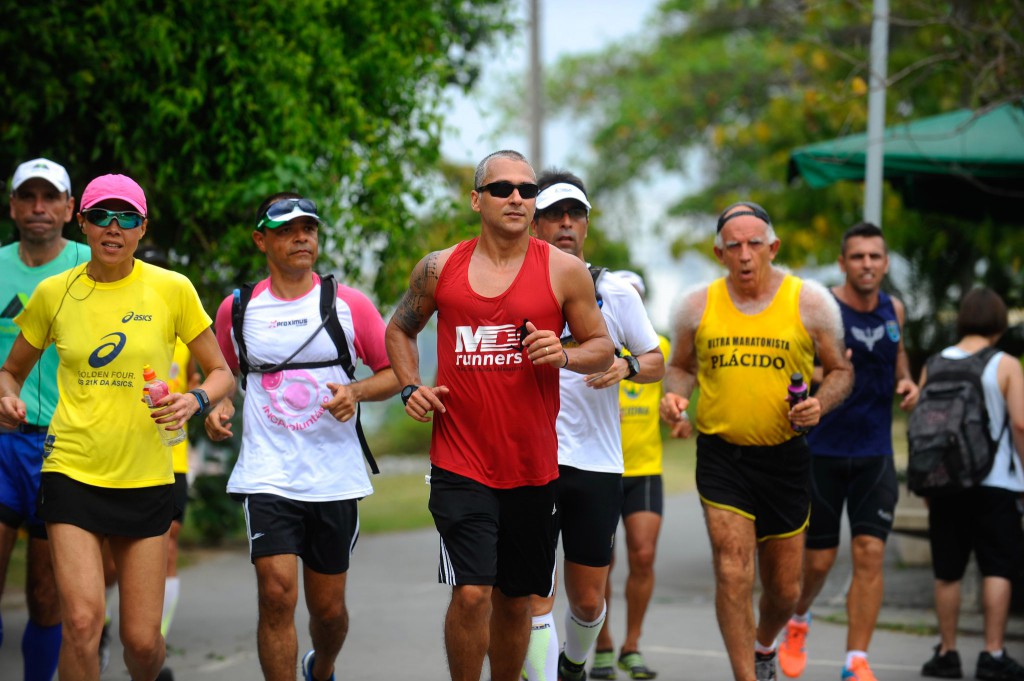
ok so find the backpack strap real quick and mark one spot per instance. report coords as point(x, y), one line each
point(239, 301)
point(596, 273)
point(329, 313)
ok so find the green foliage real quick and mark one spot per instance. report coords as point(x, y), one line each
point(212, 106)
point(746, 81)
point(212, 514)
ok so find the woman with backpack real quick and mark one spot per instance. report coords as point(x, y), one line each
point(983, 518)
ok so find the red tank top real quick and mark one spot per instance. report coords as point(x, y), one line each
point(499, 427)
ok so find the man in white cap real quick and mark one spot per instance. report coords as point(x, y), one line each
point(41, 204)
point(590, 463)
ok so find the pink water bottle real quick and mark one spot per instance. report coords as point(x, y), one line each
point(797, 393)
point(153, 391)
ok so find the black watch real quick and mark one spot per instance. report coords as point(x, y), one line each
point(634, 366)
point(407, 392)
point(204, 400)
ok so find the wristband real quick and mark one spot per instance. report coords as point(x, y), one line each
point(202, 398)
point(566, 354)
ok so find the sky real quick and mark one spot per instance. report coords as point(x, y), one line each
point(572, 27)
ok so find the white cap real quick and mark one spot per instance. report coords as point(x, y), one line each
point(560, 192)
point(45, 169)
point(633, 279)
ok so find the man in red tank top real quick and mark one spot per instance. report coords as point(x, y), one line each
point(502, 300)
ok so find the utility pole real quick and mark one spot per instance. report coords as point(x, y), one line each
point(535, 80)
point(874, 163)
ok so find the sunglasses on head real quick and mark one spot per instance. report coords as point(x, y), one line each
point(280, 212)
point(503, 189)
point(126, 219)
point(556, 212)
point(752, 209)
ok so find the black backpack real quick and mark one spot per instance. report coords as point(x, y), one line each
point(950, 446)
point(329, 321)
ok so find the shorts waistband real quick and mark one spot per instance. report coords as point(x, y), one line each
point(29, 429)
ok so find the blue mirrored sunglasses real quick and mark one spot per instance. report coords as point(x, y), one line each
point(126, 219)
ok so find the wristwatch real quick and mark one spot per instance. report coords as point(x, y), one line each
point(407, 392)
point(634, 366)
point(202, 398)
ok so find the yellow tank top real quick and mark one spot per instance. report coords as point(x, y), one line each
point(744, 364)
point(641, 427)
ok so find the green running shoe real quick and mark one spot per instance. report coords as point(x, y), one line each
point(633, 664)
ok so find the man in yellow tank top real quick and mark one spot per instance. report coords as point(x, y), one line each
point(740, 339)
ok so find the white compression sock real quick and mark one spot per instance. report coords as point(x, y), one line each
point(542, 653)
point(172, 587)
point(580, 636)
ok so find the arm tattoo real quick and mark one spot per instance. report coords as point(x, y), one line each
point(416, 306)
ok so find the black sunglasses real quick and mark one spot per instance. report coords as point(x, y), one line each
point(556, 212)
point(503, 189)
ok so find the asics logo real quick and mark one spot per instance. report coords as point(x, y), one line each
point(107, 352)
point(132, 317)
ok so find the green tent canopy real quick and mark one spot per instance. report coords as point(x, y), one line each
point(967, 162)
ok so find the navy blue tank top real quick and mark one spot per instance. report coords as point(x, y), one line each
point(862, 425)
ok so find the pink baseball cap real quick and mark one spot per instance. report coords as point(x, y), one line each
point(120, 187)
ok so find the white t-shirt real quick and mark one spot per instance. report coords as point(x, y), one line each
point(1002, 474)
point(589, 431)
point(292, 446)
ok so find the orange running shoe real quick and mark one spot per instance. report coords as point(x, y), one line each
point(858, 671)
point(792, 649)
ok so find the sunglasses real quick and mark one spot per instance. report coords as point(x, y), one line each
point(752, 209)
point(503, 189)
point(553, 213)
point(280, 212)
point(126, 219)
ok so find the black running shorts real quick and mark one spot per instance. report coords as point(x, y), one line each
point(768, 485)
point(180, 496)
point(643, 493)
point(133, 512)
point(495, 537)
point(868, 487)
point(322, 533)
point(590, 504)
point(985, 520)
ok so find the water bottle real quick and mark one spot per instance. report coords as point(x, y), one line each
point(797, 393)
point(153, 391)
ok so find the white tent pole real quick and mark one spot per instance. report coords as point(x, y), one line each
point(876, 113)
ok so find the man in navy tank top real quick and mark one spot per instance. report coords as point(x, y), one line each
point(852, 448)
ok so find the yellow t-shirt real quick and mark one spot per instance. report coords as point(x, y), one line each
point(745, 362)
point(101, 433)
point(641, 429)
point(177, 382)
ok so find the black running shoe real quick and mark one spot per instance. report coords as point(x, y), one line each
point(945, 666)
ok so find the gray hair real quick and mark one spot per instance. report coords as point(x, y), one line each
point(481, 168)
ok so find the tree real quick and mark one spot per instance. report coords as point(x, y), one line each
point(212, 106)
point(746, 81)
